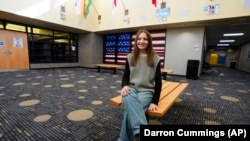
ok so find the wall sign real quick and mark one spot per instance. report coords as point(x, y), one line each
point(63, 12)
point(17, 42)
point(1, 43)
point(162, 14)
point(212, 9)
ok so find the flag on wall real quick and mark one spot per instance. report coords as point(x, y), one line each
point(154, 2)
point(114, 3)
point(86, 5)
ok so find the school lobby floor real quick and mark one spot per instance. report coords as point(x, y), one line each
point(72, 104)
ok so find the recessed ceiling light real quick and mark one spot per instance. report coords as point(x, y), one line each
point(234, 34)
point(222, 44)
point(226, 41)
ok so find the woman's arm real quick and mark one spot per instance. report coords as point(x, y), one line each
point(125, 77)
point(158, 84)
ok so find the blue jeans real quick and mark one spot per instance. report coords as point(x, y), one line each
point(135, 106)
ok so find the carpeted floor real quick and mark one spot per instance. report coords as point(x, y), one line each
point(72, 104)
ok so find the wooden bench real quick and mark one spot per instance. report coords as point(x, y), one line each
point(170, 92)
point(109, 66)
point(165, 72)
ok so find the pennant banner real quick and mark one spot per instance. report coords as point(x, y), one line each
point(114, 3)
point(154, 2)
point(86, 5)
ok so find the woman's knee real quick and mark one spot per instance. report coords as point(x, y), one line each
point(131, 97)
point(128, 98)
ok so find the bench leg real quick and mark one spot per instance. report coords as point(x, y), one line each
point(114, 70)
point(147, 117)
point(98, 68)
point(164, 75)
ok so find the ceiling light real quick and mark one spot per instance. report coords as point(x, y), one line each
point(226, 41)
point(234, 34)
point(222, 44)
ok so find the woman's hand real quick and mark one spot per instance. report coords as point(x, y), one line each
point(125, 91)
point(152, 107)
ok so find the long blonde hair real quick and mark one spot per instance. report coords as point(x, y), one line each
point(149, 50)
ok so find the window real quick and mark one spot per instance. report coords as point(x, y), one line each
point(46, 45)
point(15, 27)
point(1, 25)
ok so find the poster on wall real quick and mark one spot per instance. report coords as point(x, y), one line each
point(17, 42)
point(212, 9)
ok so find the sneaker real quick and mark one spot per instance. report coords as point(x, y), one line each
point(220, 74)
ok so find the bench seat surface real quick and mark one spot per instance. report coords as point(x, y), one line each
point(170, 92)
point(166, 102)
point(108, 65)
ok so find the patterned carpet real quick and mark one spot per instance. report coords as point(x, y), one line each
point(72, 104)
